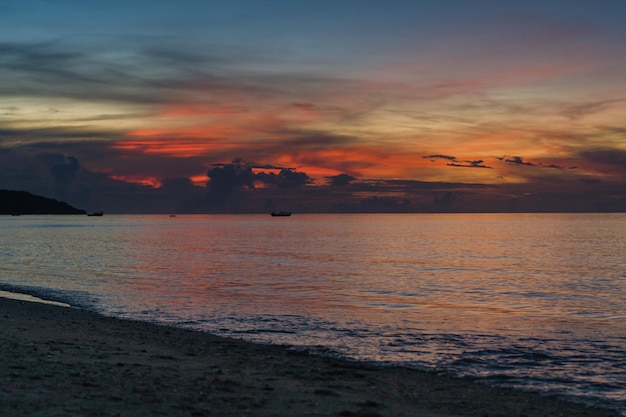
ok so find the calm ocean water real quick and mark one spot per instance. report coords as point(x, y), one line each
point(531, 301)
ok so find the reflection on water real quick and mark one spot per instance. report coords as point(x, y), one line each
point(521, 300)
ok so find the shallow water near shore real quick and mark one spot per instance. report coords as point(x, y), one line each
point(530, 301)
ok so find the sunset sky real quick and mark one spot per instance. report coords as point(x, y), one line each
point(315, 106)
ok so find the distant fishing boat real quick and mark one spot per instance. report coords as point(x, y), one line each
point(96, 214)
point(280, 213)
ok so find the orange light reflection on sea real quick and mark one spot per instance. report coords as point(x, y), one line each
point(415, 270)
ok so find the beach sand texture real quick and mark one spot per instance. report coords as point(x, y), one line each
point(59, 361)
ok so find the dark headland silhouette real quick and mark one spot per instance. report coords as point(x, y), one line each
point(22, 202)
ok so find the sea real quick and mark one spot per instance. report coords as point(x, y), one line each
point(535, 302)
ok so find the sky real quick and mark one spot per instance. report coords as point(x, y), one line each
point(315, 106)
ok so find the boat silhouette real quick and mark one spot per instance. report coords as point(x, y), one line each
point(280, 213)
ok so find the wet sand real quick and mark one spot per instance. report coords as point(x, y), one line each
point(58, 361)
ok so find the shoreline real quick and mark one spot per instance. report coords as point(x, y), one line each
point(59, 361)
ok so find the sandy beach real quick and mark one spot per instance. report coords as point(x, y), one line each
point(59, 361)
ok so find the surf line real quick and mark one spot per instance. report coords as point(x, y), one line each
point(30, 298)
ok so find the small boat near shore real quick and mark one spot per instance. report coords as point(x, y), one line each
point(280, 213)
point(96, 214)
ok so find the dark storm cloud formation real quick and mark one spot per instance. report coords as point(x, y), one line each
point(224, 179)
point(454, 162)
point(286, 178)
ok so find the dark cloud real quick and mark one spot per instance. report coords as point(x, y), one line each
point(458, 163)
point(313, 139)
point(267, 166)
point(554, 166)
point(469, 164)
point(286, 178)
point(340, 180)
point(517, 160)
point(590, 180)
point(608, 160)
point(226, 178)
point(439, 156)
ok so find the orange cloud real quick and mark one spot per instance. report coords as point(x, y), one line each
point(211, 131)
point(138, 179)
point(180, 148)
point(199, 180)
